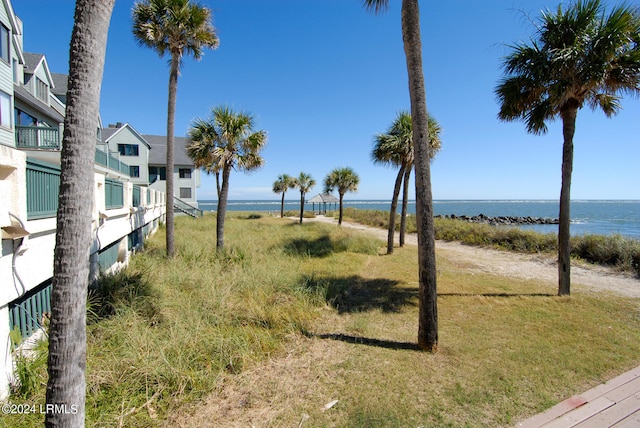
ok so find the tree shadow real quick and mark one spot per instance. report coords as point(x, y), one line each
point(496, 295)
point(387, 344)
point(357, 294)
point(319, 247)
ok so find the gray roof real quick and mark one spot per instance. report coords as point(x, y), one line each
point(324, 197)
point(31, 61)
point(60, 84)
point(158, 152)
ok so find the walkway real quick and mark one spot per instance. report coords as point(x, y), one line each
point(615, 403)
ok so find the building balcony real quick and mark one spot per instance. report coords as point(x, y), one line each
point(38, 137)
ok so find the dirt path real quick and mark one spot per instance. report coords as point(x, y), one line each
point(525, 266)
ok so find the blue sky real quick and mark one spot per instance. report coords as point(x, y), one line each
point(322, 77)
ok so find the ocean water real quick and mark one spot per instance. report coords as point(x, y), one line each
point(587, 217)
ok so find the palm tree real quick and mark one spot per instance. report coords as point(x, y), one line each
point(343, 179)
point(395, 148)
point(428, 311)
point(224, 142)
point(580, 56)
point(67, 331)
point(281, 185)
point(174, 27)
point(304, 183)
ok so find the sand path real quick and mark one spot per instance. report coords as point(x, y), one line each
point(584, 277)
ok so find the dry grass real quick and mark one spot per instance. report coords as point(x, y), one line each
point(508, 349)
point(293, 317)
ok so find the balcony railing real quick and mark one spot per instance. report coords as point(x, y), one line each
point(38, 137)
point(112, 162)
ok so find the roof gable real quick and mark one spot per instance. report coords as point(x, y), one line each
point(33, 61)
point(109, 133)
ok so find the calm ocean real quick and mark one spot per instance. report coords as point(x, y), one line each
point(594, 217)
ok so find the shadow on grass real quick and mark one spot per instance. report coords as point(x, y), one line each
point(496, 295)
point(319, 247)
point(357, 294)
point(387, 344)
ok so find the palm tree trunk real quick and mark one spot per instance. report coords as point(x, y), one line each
point(171, 114)
point(67, 334)
point(394, 208)
point(301, 206)
point(405, 202)
point(222, 207)
point(428, 310)
point(282, 206)
point(340, 216)
point(568, 115)
point(218, 190)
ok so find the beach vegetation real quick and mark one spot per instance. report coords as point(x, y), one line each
point(344, 180)
point(291, 317)
point(175, 28)
point(224, 142)
point(395, 148)
point(616, 251)
point(579, 55)
point(281, 185)
point(303, 182)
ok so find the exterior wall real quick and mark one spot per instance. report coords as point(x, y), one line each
point(186, 183)
point(125, 136)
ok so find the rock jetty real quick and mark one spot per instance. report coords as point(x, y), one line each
point(501, 220)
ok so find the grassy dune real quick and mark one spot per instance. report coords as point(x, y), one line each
point(291, 317)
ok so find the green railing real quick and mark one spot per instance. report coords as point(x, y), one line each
point(113, 194)
point(112, 162)
point(101, 157)
point(37, 137)
point(43, 187)
point(27, 312)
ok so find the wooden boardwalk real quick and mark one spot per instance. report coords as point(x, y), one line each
point(615, 403)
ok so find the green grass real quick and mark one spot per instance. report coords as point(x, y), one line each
point(290, 317)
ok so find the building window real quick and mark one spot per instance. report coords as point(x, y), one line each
point(185, 172)
point(134, 170)
point(5, 110)
point(185, 193)
point(4, 43)
point(128, 149)
point(42, 90)
point(157, 173)
point(24, 119)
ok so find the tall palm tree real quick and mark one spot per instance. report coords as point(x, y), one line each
point(281, 185)
point(176, 28)
point(580, 55)
point(67, 331)
point(303, 182)
point(224, 142)
point(343, 179)
point(395, 148)
point(435, 143)
point(428, 305)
